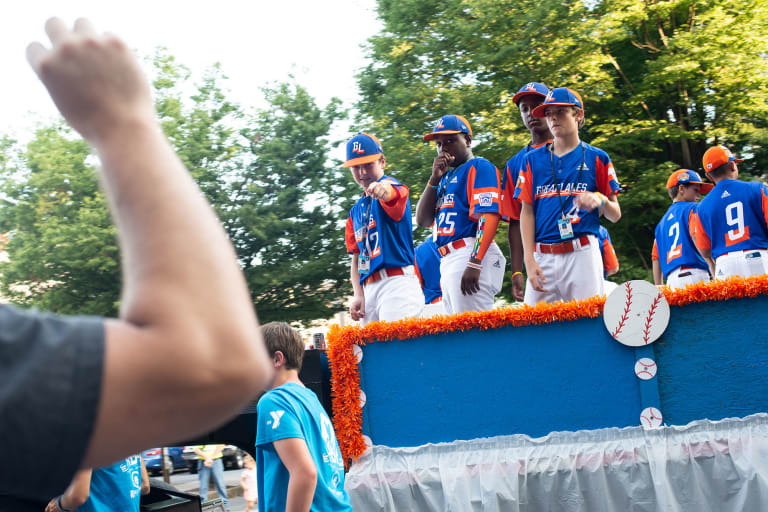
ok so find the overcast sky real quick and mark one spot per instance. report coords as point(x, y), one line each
point(256, 42)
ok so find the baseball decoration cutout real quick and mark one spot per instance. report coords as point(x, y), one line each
point(645, 368)
point(358, 352)
point(636, 313)
point(650, 418)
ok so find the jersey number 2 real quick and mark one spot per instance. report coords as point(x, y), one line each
point(676, 248)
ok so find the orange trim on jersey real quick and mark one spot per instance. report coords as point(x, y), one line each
point(349, 237)
point(489, 231)
point(764, 204)
point(654, 251)
point(603, 177)
point(699, 236)
point(610, 260)
point(418, 274)
point(395, 207)
point(526, 184)
point(733, 241)
point(509, 206)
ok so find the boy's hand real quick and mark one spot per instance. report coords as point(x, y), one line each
point(380, 191)
point(357, 307)
point(535, 275)
point(440, 166)
point(93, 79)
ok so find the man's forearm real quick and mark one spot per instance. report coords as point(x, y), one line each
point(425, 208)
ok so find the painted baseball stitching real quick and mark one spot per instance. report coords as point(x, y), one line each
point(651, 312)
point(647, 369)
point(626, 310)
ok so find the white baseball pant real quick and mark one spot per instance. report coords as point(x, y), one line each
point(393, 298)
point(452, 267)
point(742, 263)
point(682, 277)
point(571, 275)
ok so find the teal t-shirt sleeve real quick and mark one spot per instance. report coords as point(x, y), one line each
point(276, 419)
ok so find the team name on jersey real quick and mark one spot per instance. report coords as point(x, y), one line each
point(565, 189)
point(445, 202)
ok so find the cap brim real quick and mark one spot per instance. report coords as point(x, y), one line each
point(539, 111)
point(431, 136)
point(738, 160)
point(517, 97)
point(706, 188)
point(362, 160)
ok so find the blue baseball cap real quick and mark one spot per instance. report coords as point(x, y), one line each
point(362, 149)
point(450, 124)
point(561, 96)
point(531, 89)
point(686, 176)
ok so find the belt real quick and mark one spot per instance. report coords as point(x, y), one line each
point(563, 247)
point(452, 246)
point(381, 274)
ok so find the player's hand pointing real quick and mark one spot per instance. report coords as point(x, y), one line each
point(381, 191)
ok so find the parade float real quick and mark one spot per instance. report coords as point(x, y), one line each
point(654, 399)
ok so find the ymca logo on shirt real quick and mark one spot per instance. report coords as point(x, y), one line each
point(275, 421)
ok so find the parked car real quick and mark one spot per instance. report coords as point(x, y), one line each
point(232, 457)
point(173, 461)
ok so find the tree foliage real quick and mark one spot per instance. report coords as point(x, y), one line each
point(287, 209)
point(661, 79)
point(265, 174)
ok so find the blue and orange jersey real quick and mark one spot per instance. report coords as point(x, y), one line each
point(428, 270)
point(388, 239)
point(463, 196)
point(732, 217)
point(610, 260)
point(536, 186)
point(672, 243)
point(510, 207)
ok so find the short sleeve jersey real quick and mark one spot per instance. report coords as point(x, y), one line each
point(428, 270)
point(672, 243)
point(583, 169)
point(610, 260)
point(115, 487)
point(293, 411)
point(382, 230)
point(732, 217)
point(510, 207)
point(463, 196)
point(51, 370)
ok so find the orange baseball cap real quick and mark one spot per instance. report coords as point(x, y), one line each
point(717, 156)
point(686, 176)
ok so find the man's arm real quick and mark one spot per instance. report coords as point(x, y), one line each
point(516, 259)
point(302, 480)
point(184, 298)
point(76, 494)
point(357, 306)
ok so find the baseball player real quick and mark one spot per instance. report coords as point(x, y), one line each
point(731, 225)
point(610, 260)
point(428, 271)
point(379, 237)
point(462, 201)
point(564, 187)
point(680, 264)
point(530, 96)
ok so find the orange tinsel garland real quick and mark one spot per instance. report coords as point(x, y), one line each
point(345, 376)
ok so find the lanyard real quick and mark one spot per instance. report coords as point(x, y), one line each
point(554, 178)
point(364, 219)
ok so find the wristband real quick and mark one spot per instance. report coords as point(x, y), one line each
point(602, 198)
point(434, 187)
point(476, 266)
point(516, 274)
point(58, 505)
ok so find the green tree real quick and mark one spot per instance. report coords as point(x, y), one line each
point(288, 209)
point(661, 79)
